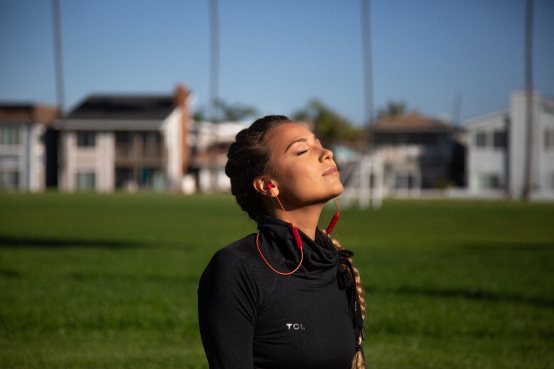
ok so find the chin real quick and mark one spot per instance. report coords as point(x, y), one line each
point(335, 193)
point(338, 190)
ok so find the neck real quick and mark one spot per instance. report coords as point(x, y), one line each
point(304, 218)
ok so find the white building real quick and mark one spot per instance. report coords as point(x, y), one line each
point(210, 142)
point(497, 150)
point(125, 142)
point(418, 153)
point(23, 151)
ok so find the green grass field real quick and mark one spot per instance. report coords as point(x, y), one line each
point(109, 281)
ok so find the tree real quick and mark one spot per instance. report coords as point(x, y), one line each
point(393, 109)
point(226, 112)
point(330, 127)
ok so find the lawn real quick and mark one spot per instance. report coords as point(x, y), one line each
point(109, 281)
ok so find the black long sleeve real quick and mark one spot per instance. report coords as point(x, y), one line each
point(252, 318)
point(227, 312)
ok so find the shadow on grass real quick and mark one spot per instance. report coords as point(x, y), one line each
point(10, 273)
point(519, 246)
point(8, 241)
point(475, 295)
point(169, 279)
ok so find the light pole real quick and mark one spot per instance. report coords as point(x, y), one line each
point(58, 56)
point(528, 174)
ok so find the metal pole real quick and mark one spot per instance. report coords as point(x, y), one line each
point(366, 168)
point(214, 58)
point(366, 59)
point(58, 56)
point(214, 89)
point(529, 101)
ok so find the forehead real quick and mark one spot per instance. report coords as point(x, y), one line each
point(281, 136)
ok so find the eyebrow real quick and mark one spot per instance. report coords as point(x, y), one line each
point(299, 140)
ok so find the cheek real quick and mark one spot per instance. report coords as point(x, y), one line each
point(293, 178)
point(304, 182)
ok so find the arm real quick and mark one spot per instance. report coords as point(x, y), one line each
point(226, 312)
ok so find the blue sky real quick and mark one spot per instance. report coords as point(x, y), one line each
point(277, 55)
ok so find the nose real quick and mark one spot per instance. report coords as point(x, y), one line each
point(326, 154)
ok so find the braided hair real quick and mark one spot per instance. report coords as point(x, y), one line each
point(248, 158)
point(358, 362)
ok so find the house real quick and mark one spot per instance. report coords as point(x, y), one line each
point(497, 150)
point(417, 153)
point(210, 143)
point(25, 159)
point(125, 142)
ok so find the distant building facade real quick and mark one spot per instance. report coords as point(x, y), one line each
point(24, 136)
point(497, 150)
point(128, 143)
point(418, 153)
point(210, 143)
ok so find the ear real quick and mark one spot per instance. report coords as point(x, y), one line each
point(260, 184)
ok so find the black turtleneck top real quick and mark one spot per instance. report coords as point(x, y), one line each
point(252, 318)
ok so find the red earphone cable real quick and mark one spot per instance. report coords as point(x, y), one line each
point(297, 238)
point(295, 233)
point(333, 221)
point(269, 265)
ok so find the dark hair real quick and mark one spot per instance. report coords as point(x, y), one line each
point(248, 158)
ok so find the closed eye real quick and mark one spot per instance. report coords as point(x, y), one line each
point(301, 152)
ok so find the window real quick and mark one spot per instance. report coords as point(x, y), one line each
point(122, 137)
point(9, 179)
point(499, 139)
point(481, 139)
point(86, 181)
point(549, 139)
point(123, 144)
point(124, 178)
point(488, 181)
point(404, 181)
point(86, 139)
point(9, 135)
point(151, 143)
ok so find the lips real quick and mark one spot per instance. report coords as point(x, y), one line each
point(330, 171)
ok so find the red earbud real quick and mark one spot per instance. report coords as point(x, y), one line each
point(269, 186)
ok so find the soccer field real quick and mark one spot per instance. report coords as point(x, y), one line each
point(109, 281)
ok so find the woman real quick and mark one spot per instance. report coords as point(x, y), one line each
point(286, 296)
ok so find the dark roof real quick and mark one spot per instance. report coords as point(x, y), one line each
point(411, 123)
point(111, 107)
point(27, 113)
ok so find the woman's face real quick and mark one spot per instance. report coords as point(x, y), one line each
point(303, 170)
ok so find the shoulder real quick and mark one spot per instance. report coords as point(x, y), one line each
point(237, 258)
point(236, 253)
point(233, 272)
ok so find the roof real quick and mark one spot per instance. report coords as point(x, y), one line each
point(411, 123)
point(27, 113)
point(112, 107)
point(487, 120)
point(207, 133)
